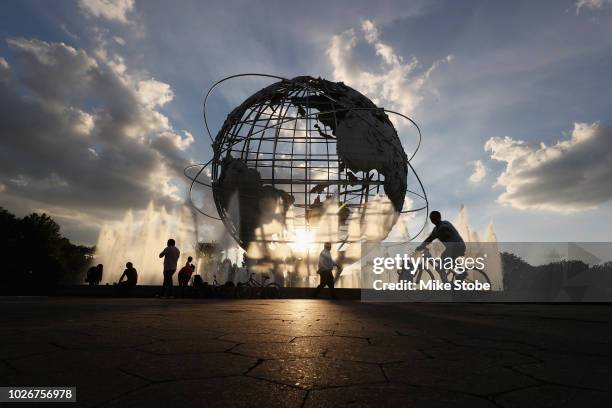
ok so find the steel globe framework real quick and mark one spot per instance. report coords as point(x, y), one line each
point(303, 143)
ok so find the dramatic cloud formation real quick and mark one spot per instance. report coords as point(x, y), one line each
point(479, 173)
point(591, 4)
point(398, 86)
point(81, 133)
point(571, 175)
point(78, 119)
point(114, 10)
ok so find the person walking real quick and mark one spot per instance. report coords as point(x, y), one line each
point(171, 256)
point(326, 266)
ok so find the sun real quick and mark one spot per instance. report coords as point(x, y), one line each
point(303, 240)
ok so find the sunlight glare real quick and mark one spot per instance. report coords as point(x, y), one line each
point(303, 240)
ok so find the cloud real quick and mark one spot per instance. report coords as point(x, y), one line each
point(591, 4)
point(153, 93)
point(479, 173)
point(119, 40)
point(57, 61)
point(5, 70)
point(113, 10)
point(397, 85)
point(80, 131)
point(571, 175)
point(67, 31)
point(171, 146)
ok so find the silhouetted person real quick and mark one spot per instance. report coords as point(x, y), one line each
point(445, 232)
point(184, 275)
point(90, 276)
point(326, 266)
point(232, 273)
point(99, 272)
point(171, 256)
point(126, 287)
point(94, 275)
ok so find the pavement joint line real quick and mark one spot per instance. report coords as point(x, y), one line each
point(351, 337)
point(455, 343)
point(138, 376)
point(383, 372)
point(519, 352)
point(325, 387)
point(195, 378)
point(9, 365)
point(558, 384)
point(257, 363)
point(576, 353)
point(153, 383)
point(230, 350)
point(274, 382)
point(306, 394)
point(498, 394)
point(429, 356)
point(494, 402)
point(534, 346)
point(453, 391)
point(347, 360)
point(235, 353)
point(542, 318)
point(123, 394)
point(41, 353)
point(501, 394)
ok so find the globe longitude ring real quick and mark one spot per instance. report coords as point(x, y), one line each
point(307, 153)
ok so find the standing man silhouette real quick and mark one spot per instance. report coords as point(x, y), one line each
point(171, 256)
point(326, 266)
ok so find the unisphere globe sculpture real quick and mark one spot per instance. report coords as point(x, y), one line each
point(299, 150)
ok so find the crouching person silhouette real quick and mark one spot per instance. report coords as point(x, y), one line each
point(184, 275)
point(94, 275)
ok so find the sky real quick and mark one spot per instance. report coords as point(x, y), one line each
point(101, 100)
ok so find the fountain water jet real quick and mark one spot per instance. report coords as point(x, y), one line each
point(140, 240)
point(476, 246)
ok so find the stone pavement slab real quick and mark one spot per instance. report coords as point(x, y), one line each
point(318, 372)
point(308, 353)
point(391, 395)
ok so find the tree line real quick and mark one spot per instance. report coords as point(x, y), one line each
point(36, 258)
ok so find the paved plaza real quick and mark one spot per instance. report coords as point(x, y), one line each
point(308, 353)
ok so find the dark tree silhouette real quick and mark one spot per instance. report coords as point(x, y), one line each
point(36, 257)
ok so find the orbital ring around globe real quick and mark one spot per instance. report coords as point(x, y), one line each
point(345, 150)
